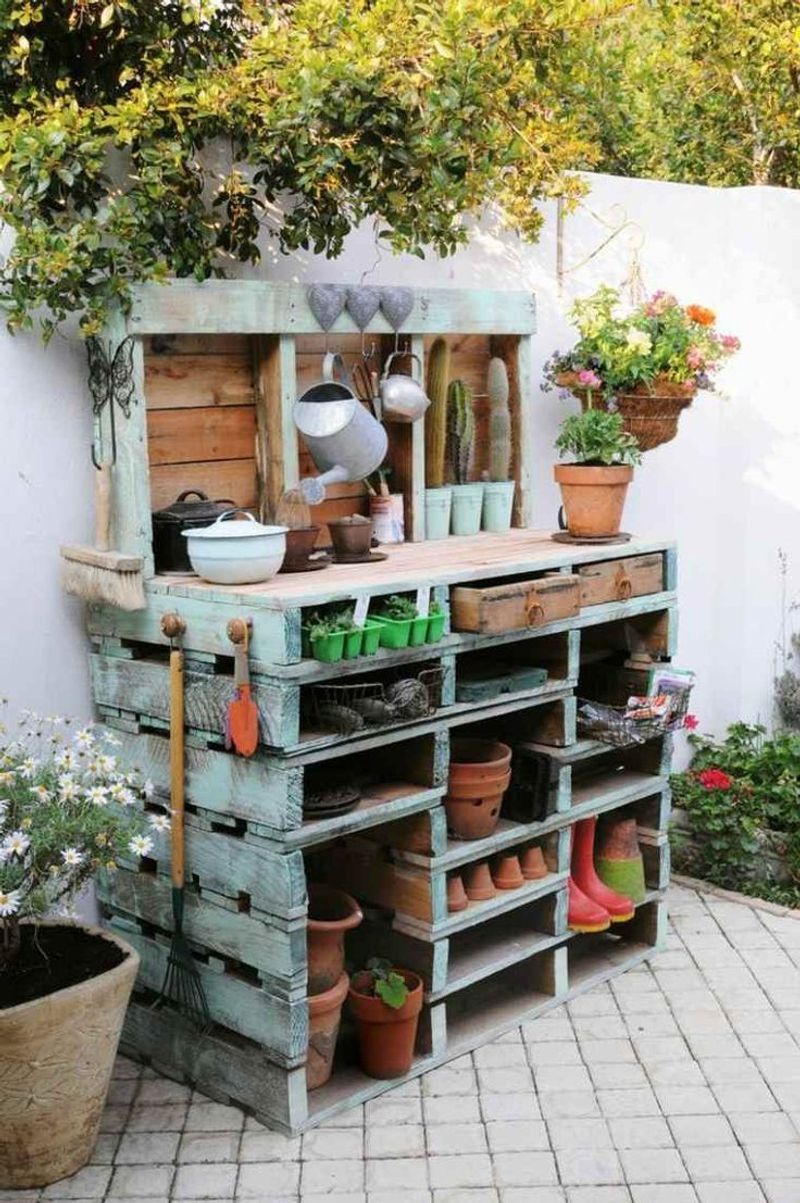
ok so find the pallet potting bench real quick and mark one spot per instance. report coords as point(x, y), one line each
point(249, 850)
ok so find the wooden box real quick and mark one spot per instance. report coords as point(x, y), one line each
point(617, 580)
point(515, 605)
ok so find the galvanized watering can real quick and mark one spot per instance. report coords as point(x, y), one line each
point(344, 439)
point(403, 398)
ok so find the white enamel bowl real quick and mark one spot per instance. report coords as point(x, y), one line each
point(236, 553)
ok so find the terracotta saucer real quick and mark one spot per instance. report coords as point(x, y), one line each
point(563, 536)
point(372, 557)
point(307, 565)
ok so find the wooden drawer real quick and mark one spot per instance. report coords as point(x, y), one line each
point(492, 609)
point(617, 580)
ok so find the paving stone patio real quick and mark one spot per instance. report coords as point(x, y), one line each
point(677, 1083)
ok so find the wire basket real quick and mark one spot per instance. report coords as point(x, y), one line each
point(613, 724)
point(402, 698)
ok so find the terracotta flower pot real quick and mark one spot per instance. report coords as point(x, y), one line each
point(479, 776)
point(386, 1036)
point(324, 1016)
point(478, 882)
point(456, 895)
point(351, 540)
point(593, 497)
point(56, 1057)
point(507, 874)
point(299, 546)
point(331, 913)
point(533, 864)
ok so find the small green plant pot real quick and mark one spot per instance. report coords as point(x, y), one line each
point(498, 502)
point(395, 633)
point(328, 648)
point(435, 628)
point(419, 632)
point(372, 638)
point(465, 517)
point(353, 641)
point(305, 643)
point(438, 503)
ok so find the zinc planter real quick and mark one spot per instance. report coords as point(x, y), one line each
point(438, 504)
point(593, 497)
point(56, 1057)
point(386, 1035)
point(498, 502)
point(465, 516)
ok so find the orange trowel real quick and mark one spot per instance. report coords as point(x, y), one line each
point(242, 721)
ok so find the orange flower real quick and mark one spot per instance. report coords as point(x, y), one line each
point(703, 317)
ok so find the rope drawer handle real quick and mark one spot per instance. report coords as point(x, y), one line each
point(624, 588)
point(534, 611)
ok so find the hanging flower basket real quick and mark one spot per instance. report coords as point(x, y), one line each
point(649, 412)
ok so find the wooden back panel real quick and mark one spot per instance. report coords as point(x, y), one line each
point(201, 417)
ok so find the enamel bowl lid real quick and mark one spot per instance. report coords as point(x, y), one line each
point(222, 529)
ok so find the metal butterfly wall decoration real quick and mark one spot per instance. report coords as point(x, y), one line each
point(111, 383)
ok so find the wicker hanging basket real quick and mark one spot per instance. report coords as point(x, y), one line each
point(649, 412)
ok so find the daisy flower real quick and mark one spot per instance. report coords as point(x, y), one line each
point(72, 857)
point(84, 740)
point(159, 822)
point(106, 764)
point(127, 798)
point(65, 759)
point(140, 845)
point(68, 788)
point(42, 793)
point(9, 902)
point(6, 778)
point(16, 843)
point(27, 768)
point(97, 795)
point(148, 789)
point(117, 791)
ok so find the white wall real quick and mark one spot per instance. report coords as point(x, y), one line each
point(728, 489)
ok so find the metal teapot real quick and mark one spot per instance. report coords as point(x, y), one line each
point(344, 440)
point(403, 399)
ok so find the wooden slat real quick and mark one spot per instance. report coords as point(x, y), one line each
point(190, 381)
point(276, 394)
point(197, 344)
point(261, 307)
point(235, 478)
point(183, 436)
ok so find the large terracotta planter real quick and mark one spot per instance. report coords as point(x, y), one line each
point(478, 778)
point(56, 1058)
point(324, 1017)
point(386, 1036)
point(331, 913)
point(593, 496)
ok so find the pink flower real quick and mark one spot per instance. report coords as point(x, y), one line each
point(659, 303)
point(589, 379)
point(695, 359)
point(730, 343)
point(691, 722)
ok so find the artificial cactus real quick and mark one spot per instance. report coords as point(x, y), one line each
point(436, 417)
point(460, 432)
point(499, 421)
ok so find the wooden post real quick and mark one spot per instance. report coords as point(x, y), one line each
point(276, 438)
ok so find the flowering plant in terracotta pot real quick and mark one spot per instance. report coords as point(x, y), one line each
point(647, 363)
point(67, 809)
point(595, 484)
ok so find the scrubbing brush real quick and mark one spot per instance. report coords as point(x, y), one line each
point(98, 574)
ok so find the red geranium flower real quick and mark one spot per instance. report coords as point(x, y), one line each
point(714, 779)
point(691, 722)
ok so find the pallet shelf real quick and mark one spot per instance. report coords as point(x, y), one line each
point(216, 369)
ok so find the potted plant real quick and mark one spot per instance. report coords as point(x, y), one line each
point(385, 1003)
point(498, 491)
point(436, 618)
point(647, 364)
point(593, 486)
point(465, 516)
point(323, 638)
point(438, 495)
point(67, 810)
point(401, 626)
point(343, 621)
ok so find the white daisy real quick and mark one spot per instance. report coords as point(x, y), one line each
point(97, 795)
point(148, 789)
point(65, 760)
point(27, 768)
point(16, 843)
point(84, 740)
point(106, 764)
point(9, 902)
point(72, 857)
point(68, 788)
point(127, 798)
point(6, 778)
point(159, 822)
point(117, 791)
point(42, 793)
point(140, 845)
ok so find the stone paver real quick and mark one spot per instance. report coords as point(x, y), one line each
point(676, 1083)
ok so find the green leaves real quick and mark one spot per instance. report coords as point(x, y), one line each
point(389, 987)
point(597, 437)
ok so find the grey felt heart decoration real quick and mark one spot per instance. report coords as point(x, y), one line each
point(326, 302)
point(397, 304)
point(363, 302)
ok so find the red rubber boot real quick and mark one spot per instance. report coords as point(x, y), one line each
point(619, 908)
point(583, 914)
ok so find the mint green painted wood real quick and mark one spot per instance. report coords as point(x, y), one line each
point(504, 954)
point(478, 912)
point(415, 495)
point(261, 307)
point(237, 1071)
point(232, 866)
point(142, 688)
point(280, 1027)
point(312, 833)
point(525, 434)
point(259, 789)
